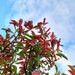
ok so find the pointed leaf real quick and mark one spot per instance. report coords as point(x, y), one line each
point(47, 74)
point(7, 36)
point(62, 55)
point(14, 68)
point(64, 74)
point(71, 67)
point(30, 65)
point(28, 35)
point(72, 73)
point(33, 33)
point(21, 53)
point(56, 69)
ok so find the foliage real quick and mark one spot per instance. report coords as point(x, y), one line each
point(31, 47)
point(72, 71)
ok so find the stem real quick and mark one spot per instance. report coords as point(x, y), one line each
point(25, 67)
point(29, 73)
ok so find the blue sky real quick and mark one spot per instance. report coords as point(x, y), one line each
point(59, 13)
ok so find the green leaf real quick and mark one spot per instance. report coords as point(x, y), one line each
point(21, 53)
point(14, 68)
point(2, 62)
point(38, 47)
point(56, 69)
point(39, 57)
point(71, 67)
point(30, 36)
point(61, 45)
point(19, 45)
point(30, 65)
point(25, 37)
point(64, 74)
point(7, 36)
point(33, 33)
point(17, 30)
point(62, 55)
point(46, 73)
point(36, 59)
point(48, 67)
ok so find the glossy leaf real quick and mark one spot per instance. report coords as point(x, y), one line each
point(64, 74)
point(56, 69)
point(30, 36)
point(62, 55)
point(19, 45)
point(71, 72)
point(30, 65)
point(7, 36)
point(21, 54)
point(14, 68)
point(71, 67)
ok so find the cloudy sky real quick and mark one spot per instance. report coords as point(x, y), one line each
point(59, 13)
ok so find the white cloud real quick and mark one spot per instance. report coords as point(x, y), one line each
point(61, 11)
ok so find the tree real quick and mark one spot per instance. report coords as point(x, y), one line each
point(31, 47)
